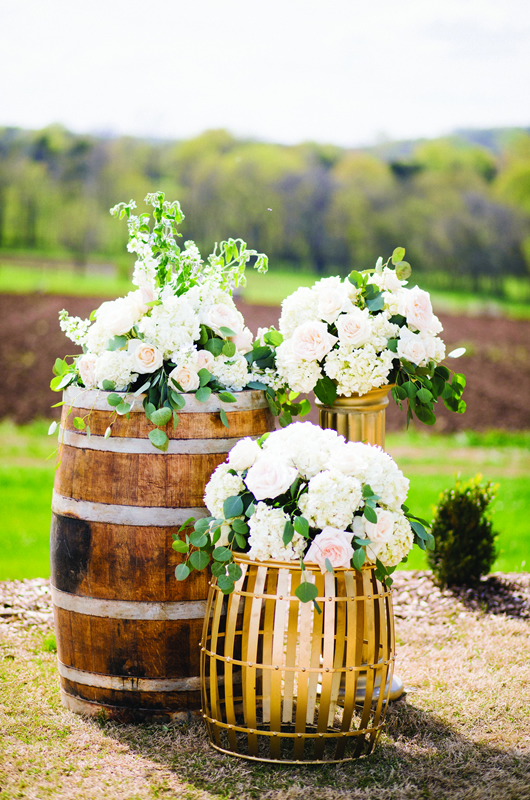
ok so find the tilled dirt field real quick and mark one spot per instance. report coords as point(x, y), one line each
point(497, 366)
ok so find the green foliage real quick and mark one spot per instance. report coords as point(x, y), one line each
point(463, 532)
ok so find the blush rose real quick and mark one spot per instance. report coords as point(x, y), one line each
point(332, 544)
point(270, 477)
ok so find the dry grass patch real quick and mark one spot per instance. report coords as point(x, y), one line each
point(462, 733)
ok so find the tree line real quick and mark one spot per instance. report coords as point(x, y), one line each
point(461, 210)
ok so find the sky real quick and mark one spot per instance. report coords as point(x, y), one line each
point(339, 71)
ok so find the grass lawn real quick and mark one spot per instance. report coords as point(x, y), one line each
point(431, 462)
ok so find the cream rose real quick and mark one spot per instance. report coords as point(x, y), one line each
point(117, 316)
point(244, 454)
point(87, 369)
point(330, 303)
point(223, 316)
point(311, 341)
point(243, 340)
point(411, 347)
point(380, 532)
point(205, 360)
point(186, 376)
point(419, 309)
point(332, 544)
point(270, 477)
point(140, 298)
point(145, 357)
point(355, 327)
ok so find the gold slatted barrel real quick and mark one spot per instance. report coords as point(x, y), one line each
point(128, 632)
point(280, 680)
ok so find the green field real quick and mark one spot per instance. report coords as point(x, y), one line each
point(431, 462)
point(269, 289)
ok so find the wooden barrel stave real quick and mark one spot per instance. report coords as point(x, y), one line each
point(122, 620)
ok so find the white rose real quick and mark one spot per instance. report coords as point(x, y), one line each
point(117, 316)
point(270, 477)
point(223, 316)
point(381, 531)
point(311, 341)
point(260, 335)
point(331, 302)
point(332, 544)
point(391, 281)
point(140, 298)
point(205, 360)
point(244, 454)
point(355, 327)
point(186, 376)
point(243, 340)
point(434, 347)
point(419, 309)
point(87, 369)
point(145, 357)
point(411, 347)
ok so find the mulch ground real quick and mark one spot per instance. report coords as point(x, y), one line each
point(28, 603)
point(497, 367)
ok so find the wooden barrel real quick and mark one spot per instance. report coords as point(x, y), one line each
point(128, 633)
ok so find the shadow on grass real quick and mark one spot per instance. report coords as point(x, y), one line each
point(419, 756)
point(498, 594)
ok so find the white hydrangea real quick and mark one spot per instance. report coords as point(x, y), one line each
point(371, 465)
point(390, 553)
point(97, 339)
point(266, 536)
point(115, 366)
point(298, 374)
point(382, 331)
point(299, 307)
point(232, 372)
point(171, 325)
point(221, 486)
point(358, 370)
point(331, 499)
point(307, 446)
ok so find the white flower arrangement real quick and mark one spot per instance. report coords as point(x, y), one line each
point(178, 332)
point(346, 337)
point(303, 493)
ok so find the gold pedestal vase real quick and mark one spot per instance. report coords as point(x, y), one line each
point(280, 678)
point(361, 418)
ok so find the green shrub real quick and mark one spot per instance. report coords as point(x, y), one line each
point(463, 534)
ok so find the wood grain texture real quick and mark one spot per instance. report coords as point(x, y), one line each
point(133, 563)
point(190, 426)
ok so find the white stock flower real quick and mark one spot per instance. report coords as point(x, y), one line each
point(244, 454)
point(311, 341)
point(270, 477)
point(266, 536)
point(220, 487)
point(331, 499)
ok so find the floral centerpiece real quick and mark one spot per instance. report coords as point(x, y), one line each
point(303, 493)
point(344, 337)
point(179, 332)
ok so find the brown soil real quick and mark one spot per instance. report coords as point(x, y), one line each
point(497, 367)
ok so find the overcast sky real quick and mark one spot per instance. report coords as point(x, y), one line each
point(340, 71)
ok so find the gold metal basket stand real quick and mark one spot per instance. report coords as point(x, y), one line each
point(279, 680)
point(360, 418)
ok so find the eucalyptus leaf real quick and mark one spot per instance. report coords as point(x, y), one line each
point(180, 546)
point(203, 393)
point(199, 559)
point(224, 418)
point(370, 514)
point(233, 507)
point(161, 416)
point(182, 571)
point(359, 557)
point(159, 439)
point(306, 592)
point(222, 554)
